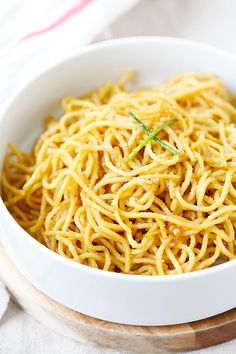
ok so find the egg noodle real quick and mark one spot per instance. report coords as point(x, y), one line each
point(159, 213)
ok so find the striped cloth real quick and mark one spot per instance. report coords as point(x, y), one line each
point(35, 34)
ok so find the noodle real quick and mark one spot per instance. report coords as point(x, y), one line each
point(159, 213)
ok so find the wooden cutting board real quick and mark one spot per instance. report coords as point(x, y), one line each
point(88, 330)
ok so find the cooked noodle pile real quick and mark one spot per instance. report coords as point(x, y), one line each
point(159, 213)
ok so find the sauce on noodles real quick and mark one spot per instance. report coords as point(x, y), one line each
point(159, 213)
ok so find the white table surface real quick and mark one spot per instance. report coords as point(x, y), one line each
point(212, 21)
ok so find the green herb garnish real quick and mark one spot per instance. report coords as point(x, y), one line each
point(151, 135)
point(157, 140)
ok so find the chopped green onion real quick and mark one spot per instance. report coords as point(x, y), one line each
point(151, 135)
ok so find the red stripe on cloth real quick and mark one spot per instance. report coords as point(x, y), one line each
point(65, 17)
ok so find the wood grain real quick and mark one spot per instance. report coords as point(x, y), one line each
point(88, 330)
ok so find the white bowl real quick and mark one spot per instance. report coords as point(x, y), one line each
point(129, 299)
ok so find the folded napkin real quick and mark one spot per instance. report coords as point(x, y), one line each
point(35, 34)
